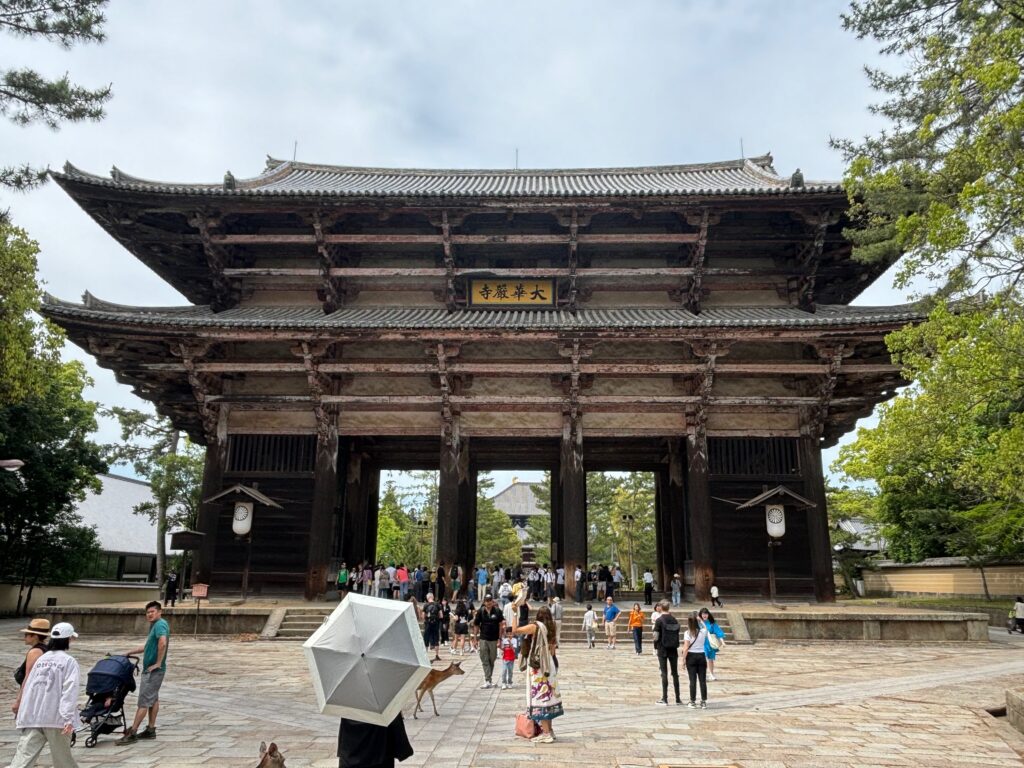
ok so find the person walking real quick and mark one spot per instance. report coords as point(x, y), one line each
point(677, 590)
point(491, 623)
point(616, 584)
point(402, 573)
point(35, 636)
point(714, 597)
point(580, 584)
point(636, 626)
point(557, 613)
point(1018, 613)
point(666, 645)
point(474, 630)
point(589, 624)
point(432, 626)
point(611, 613)
point(171, 589)
point(648, 586)
point(461, 628)
point(446, 621)
point(560, 582)
point(342, 581)
point(154, 667)
point(48, 702)
point(696, 662)
point(543, 701)
point(364, 745)
point(710, 651)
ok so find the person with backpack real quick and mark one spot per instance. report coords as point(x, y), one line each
point(694, 640)
point(432, 626)
point(491, 622)
point(47, 711)
point(666, 645)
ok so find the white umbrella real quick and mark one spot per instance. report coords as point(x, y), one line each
point(367, 659)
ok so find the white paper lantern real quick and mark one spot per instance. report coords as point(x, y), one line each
point(241, 522)
point(775, 517)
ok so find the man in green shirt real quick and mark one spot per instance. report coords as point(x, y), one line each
point(342, 581)
point(154, 665)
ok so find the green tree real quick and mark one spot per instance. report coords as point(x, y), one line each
point(176, 479)
point(942, 182)
point(397, 536)
point(149, 443)
point(41, 535)
point(496, 540)
point(603, 544)
point(635, 539)
point(849, 504)
point(538, 527)
point(419, 497)
point(26, 96)
point(29, 347)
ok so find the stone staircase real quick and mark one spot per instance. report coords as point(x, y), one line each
point(300, 623)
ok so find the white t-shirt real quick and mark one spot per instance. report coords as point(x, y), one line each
point(50, 697)
point(714, 591)
point(698, 645)
point(560, 573)
point(648, 577)
point(1018, 609)
point(589, 618)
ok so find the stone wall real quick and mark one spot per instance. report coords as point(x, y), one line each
point(866, 626)
point(921, 579)
point(98, 620)
point(1015, 708)
point(79, 594)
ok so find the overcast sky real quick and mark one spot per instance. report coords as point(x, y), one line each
point(202, 87)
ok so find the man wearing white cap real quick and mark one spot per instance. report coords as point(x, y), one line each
point(48, 704)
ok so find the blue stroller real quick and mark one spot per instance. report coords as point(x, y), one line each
point(107, 686)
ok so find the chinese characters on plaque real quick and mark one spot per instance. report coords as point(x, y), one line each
point(526, 293)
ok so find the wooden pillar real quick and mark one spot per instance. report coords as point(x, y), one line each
point(817, 521)
point(557, 530)
point(466, 555)
point(675, 503)
point(213, 479)
point(371, 481)
point(573, 546)
point(325, 499)
point(698, 498)
point(353, 543)
point(663, 530)
point(450, 488)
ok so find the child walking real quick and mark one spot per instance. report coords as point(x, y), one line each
point(589, 623)
point(508, 659)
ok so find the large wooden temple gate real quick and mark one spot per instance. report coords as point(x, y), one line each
point(690, 321)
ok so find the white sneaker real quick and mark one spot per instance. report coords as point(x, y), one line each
point(712, 677)
point(485, 686)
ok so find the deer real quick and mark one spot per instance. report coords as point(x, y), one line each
point(430, 682)
point(270, 757)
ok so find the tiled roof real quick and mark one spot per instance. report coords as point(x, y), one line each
point(428, 318)
point(283, 178)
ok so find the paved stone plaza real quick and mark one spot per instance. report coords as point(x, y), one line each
point(776, 705)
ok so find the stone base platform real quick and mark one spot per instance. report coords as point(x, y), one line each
point(896, 625)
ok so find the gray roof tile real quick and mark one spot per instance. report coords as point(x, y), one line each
point(428, 318)
point(732, 177)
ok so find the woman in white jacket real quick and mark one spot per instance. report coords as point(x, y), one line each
point(49, 704)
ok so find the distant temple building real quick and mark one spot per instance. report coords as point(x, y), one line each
point(519, 502)
point(693, 321)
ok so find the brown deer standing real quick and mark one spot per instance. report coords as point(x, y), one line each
point(431, 681)
point(270, 758)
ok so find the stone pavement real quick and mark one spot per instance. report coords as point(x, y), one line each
point(776, 705)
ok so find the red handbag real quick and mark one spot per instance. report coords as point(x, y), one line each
point(525, 727)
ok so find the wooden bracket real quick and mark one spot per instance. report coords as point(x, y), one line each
point(218, 258)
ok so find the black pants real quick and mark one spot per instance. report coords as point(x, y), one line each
point(638, 639)
point(716, 601)
point(697, 669)
point(648, 593)
point(669, 658)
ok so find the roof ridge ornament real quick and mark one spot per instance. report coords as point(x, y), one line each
point(229, 181)
point(796, 181)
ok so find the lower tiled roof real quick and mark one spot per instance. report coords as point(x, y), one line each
point(429, 318)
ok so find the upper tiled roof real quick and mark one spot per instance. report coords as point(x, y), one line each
point(749, 176)
point(428, 318)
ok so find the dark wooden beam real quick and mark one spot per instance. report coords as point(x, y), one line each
point(698, 263)
point(639, 238)
point(325, 501)
point(698, 497)
point(817, 520)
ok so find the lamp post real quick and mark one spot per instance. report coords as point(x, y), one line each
point(775, 520)
point(629, 520)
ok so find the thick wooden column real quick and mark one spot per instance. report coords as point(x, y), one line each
point(451, 486)
point(325, 500)
point(663, 530)
point(698, 498)
point(213, 480)
point(817, 520)
point(557, 530)
point(466, 555)
point(353, 535)
point(573, 546)
point(676, 505)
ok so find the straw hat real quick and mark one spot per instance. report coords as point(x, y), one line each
point(39, 627)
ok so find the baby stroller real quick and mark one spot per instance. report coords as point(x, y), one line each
point(107, 686)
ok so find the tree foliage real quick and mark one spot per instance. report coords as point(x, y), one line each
point(496, 539)
point(41, 535)
point(847, 504)
point(28, 97)
point(946, 453)
point(29, 347)
point(942, 182)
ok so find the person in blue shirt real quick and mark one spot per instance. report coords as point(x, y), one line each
point(611, 613)
point(154, 665)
